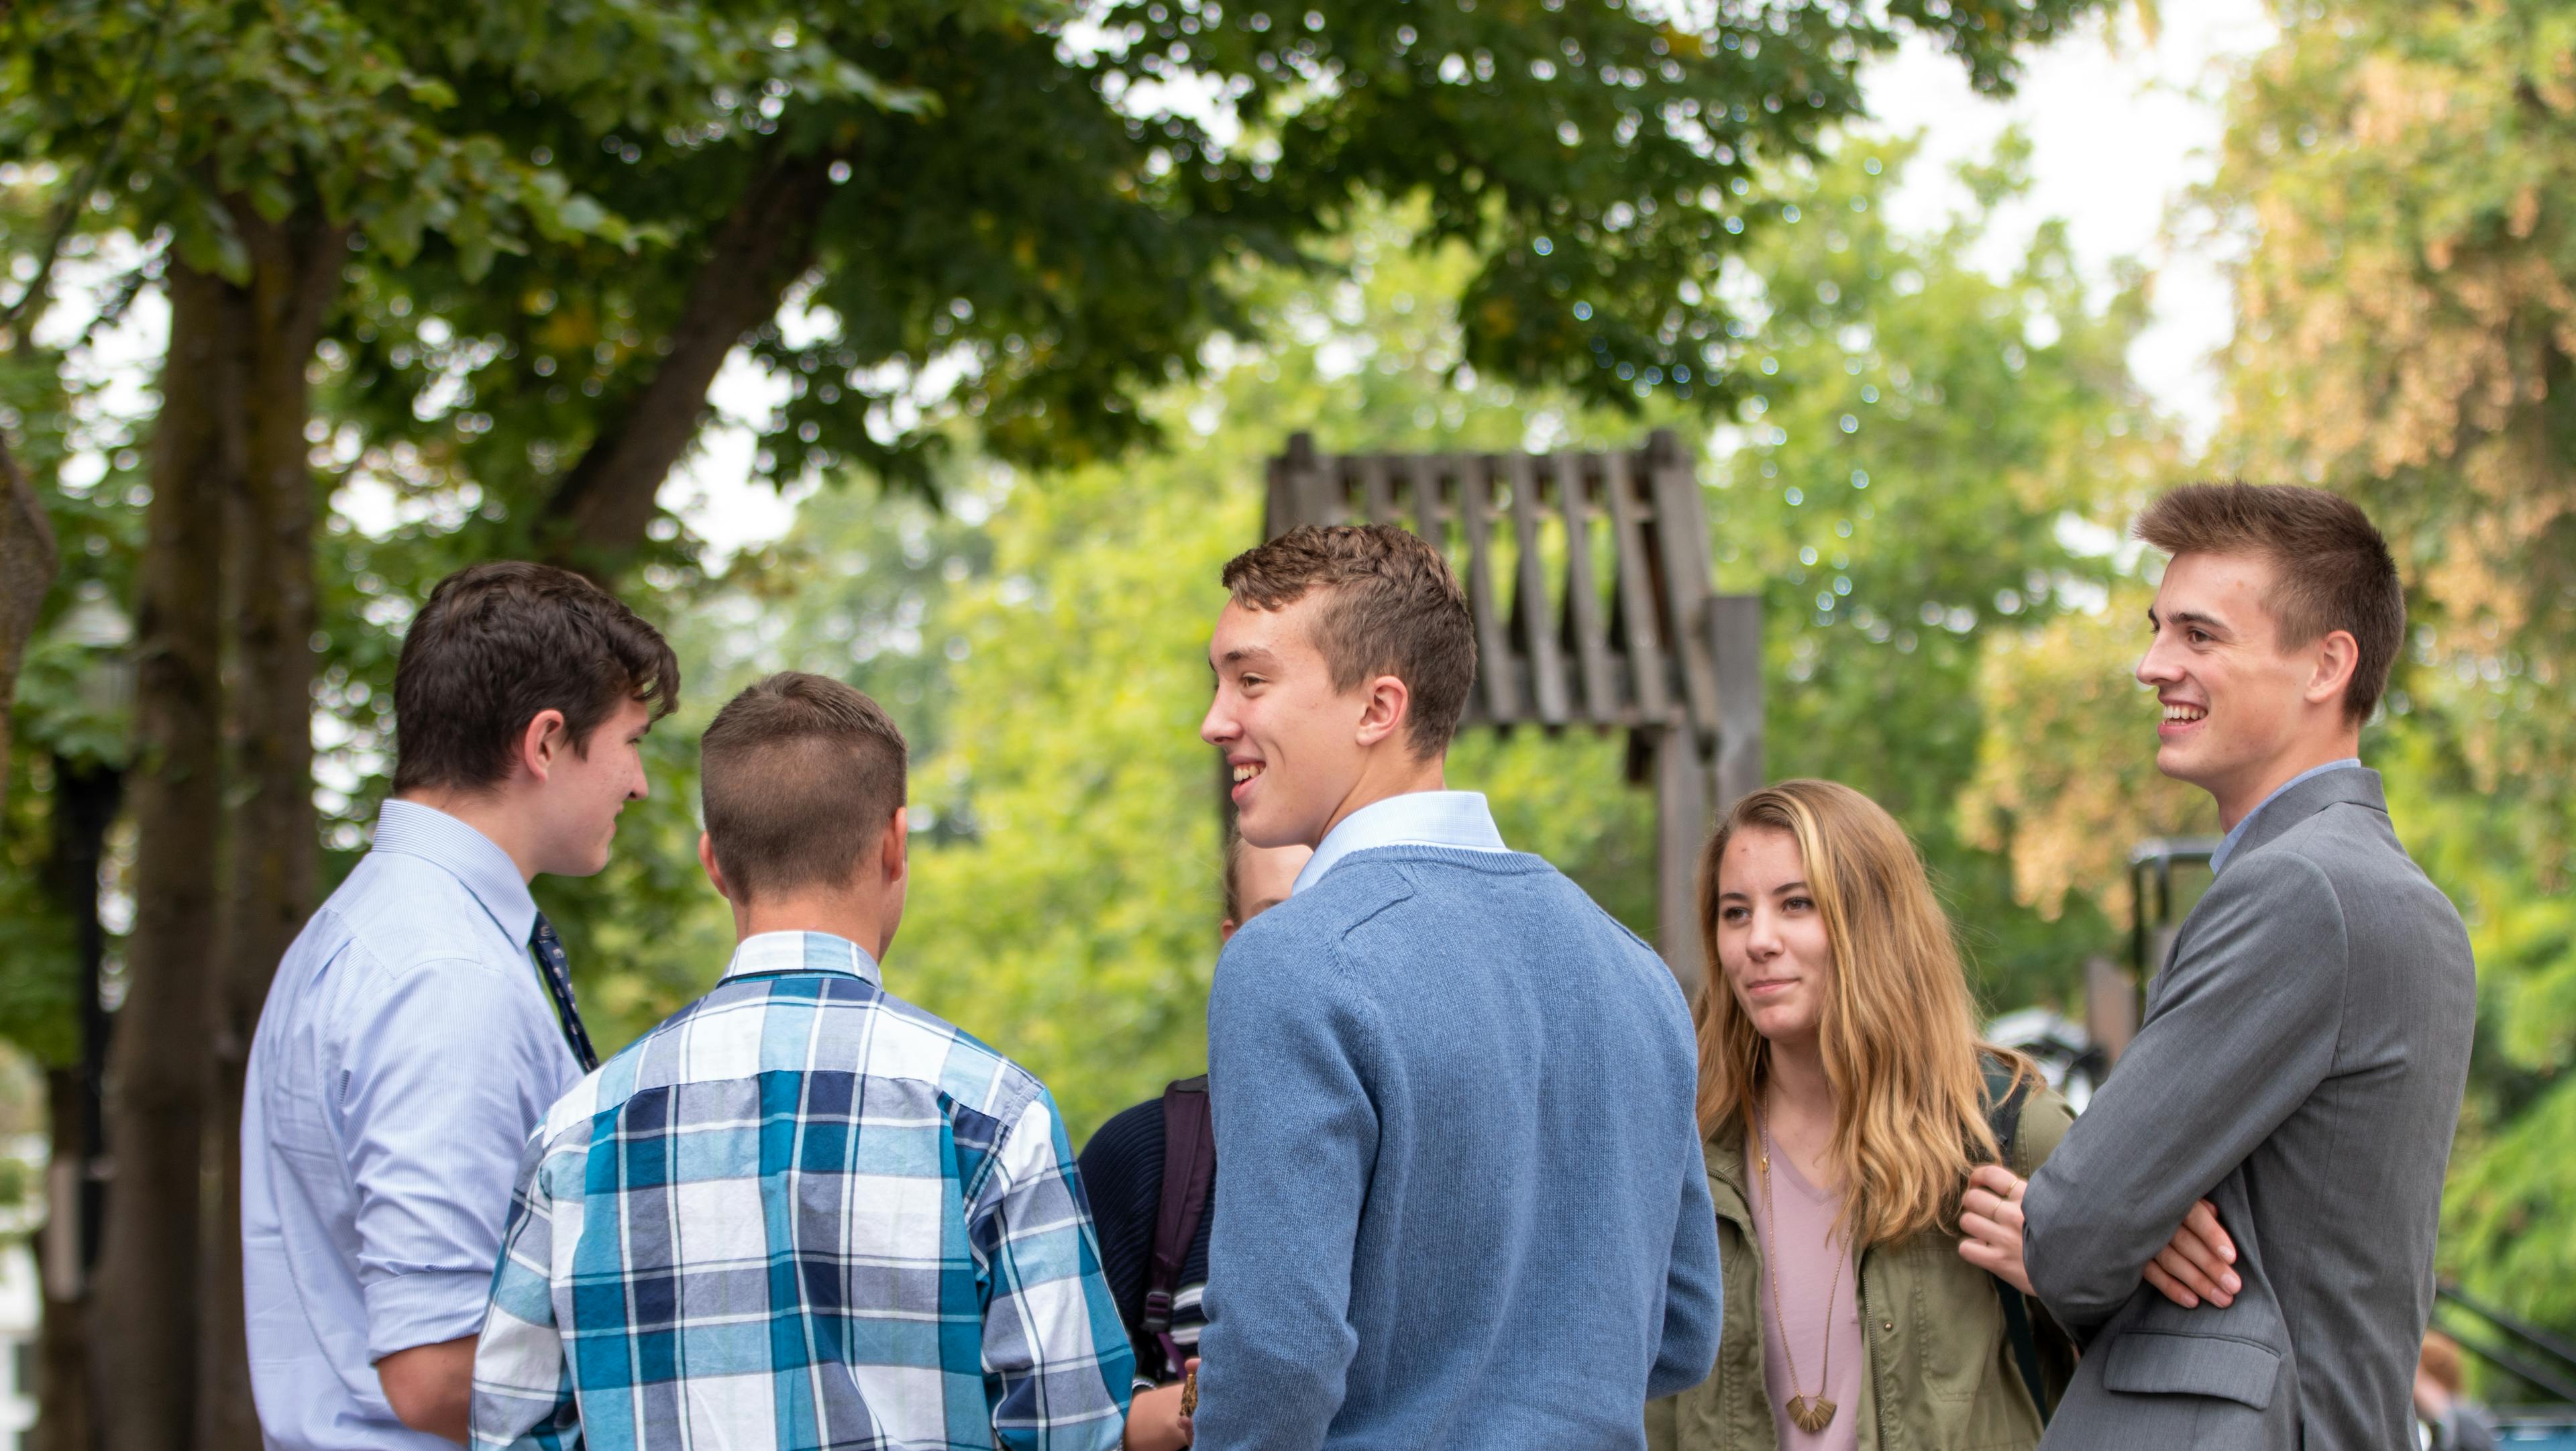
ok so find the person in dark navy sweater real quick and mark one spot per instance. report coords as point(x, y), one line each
point(1122, 1172)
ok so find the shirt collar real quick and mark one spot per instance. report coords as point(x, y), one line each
point(764, 952)
point(2236, 833)
point(408, 828)
point(1417, 818)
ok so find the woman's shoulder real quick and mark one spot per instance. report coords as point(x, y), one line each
point(2045, 1118)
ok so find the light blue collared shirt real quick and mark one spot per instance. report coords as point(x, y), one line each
point(2236, 833)
point(1418, 818)
point(406, 1052)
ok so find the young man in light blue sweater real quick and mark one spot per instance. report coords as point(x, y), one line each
point(1461, 1200)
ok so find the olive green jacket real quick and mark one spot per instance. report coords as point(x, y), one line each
point(1941, 1377)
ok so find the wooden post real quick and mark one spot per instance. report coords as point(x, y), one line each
point(1734, 633)
point(1681, 824)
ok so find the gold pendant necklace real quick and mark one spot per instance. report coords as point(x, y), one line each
point(1810, 1414)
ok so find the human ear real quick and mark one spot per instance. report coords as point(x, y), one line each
point(541, 740)
point(891, 851)
point(1389, 701)
point(707, 859)
point(2338, 656)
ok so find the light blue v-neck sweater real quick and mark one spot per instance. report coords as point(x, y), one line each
point(1461, 1200)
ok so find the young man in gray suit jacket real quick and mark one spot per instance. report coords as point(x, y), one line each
point(2294, 1088)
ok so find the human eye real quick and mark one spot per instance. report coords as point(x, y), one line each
point(1731, 913)
point(1799, 904)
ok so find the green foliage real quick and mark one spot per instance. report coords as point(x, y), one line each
point(1917, 438)
point(1043, 243)
point(1044, 643)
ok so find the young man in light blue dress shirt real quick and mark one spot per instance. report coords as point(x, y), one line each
point(422, 1022)
point(1460, 1197)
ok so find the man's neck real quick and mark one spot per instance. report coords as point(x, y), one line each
point(1384, 781)
point(2238, 802)
point(858, 917)
point(489, 812)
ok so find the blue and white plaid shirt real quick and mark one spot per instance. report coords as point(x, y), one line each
point(801, 1214)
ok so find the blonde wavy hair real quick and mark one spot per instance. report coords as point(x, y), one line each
point(1899, 1030)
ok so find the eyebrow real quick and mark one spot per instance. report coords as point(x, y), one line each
point(1243, 653)
point(2211, 623)
point(1747, 896)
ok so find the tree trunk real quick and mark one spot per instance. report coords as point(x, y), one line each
point(271, 837)
point(62, 1351)
point(599, 513)
point(27, 566)
point(144, 1349)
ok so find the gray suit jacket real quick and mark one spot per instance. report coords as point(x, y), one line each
point(2300, 1066)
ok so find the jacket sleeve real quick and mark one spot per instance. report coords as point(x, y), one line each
point(1291, 1049)
point(1694, 1289)
point(2243, 1030)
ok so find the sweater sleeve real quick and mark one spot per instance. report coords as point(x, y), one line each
point(1290, 1058)
point(1694, 1291)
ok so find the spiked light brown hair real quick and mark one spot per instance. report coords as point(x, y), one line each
point(2331, 569)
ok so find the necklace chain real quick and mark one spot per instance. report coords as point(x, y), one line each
point(1803, 1408)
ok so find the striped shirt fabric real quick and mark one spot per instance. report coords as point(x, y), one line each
point(801, 1214)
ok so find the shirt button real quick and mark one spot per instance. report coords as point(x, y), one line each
point(1886, 1324)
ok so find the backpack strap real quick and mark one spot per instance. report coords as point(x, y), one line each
point(2005, 1094)
point(1189, 1171)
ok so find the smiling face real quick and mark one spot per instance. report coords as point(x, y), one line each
point(1294, 743)
point(2241, 711)
point(1771, 938)
point(583, 791)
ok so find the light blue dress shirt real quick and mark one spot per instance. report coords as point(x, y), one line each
point(2236, 833)
point(1418, 818)
point(406, 1052)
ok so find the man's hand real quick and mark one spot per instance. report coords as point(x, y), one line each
point(431, 1387)
point(1154, 1419)
point(2193, 1265)
point(1990, 1218)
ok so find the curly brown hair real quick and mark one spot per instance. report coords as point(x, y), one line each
point(1392, 607)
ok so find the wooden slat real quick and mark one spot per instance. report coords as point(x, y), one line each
point(1681, 534)
point(1310, 482)
point(1636, 590)
point(1493, 637)
point(1430, 516)
point(1532, 618)
point(1601, 703)
point(1377, 494)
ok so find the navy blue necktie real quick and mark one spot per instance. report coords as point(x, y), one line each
point(557, 972)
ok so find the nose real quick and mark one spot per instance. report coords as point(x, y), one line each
point(1762, 936)
point(2158, 667)
point(642, 785)
point(1219, 726)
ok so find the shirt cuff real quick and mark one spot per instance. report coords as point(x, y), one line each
point(425, 1307)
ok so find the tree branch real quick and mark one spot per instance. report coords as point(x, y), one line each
point(28, 563)
point(68, 216)
point(600, 511)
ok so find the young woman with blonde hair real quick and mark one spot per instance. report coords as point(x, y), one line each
point(1844, 1098)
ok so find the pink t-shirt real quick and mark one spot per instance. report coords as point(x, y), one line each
point(1802, 1250)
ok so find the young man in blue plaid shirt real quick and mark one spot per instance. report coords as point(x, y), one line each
point(802, 1213)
